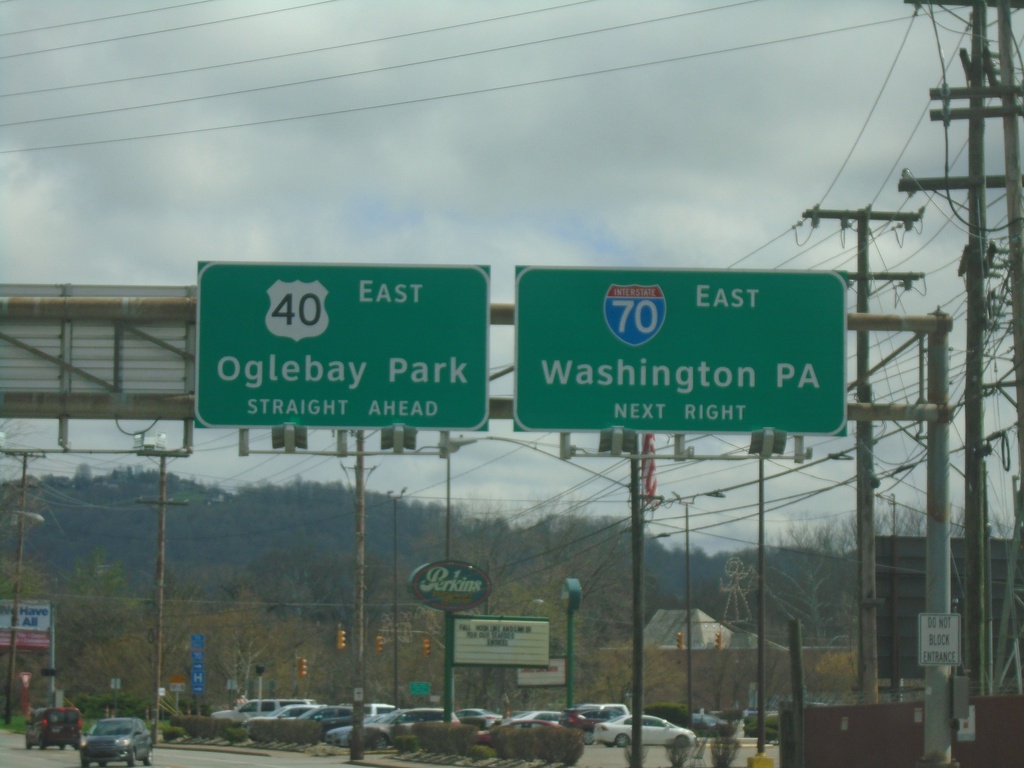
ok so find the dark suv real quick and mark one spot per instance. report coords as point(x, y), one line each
point(54, 727)
point(587, 716)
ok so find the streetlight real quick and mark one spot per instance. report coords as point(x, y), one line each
point(763, 443)
point(394, 588)
point(447, 447)
point(572, 596)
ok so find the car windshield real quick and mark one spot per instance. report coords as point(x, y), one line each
point(111, 728)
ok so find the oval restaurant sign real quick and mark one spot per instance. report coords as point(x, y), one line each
point(450, 585)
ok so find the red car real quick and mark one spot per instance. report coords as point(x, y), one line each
point(587, 717)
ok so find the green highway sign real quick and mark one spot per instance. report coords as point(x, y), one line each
point(347, 346)
point(680, 350)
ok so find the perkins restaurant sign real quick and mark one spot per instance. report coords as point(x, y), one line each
point(450, 585)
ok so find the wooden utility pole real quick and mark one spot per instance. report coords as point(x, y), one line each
point(867, 639)
point(1015, 231)
point(158, 640)
point(982, 85)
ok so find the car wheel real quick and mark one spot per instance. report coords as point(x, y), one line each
point(85, 763)
point(588, 737)
point(148, 759)
point(622, 740)
point(131, 758)
point(28, 744)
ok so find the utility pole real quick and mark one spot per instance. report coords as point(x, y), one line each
point(11, 658)
point(867, 638)
point(158, 639)
point(1015, 231)
point(973, 270)
point(978, 69)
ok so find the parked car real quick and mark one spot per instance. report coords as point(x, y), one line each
point(334, 717)
point(117, 740)
point(704, 721)
point(329, 717)
point(287, 711)
point(381, 733)
point(54, 727)
point(536, 714)
point(489, 718)
point(339, 736)
point(587, 716)
point(655, 731)
point(257, 707)
point(487, 737)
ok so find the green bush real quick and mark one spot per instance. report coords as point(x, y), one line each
point(674, 713)
point(406, 744)
point(236, 735)
point(288, 730)
point(552, 745)
point(97, 706)
point(771, 727)
point(480, 752)
point(172, 733)
point(199, 727)
point(559, 745)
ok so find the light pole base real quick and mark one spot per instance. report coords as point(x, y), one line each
point(760, 760)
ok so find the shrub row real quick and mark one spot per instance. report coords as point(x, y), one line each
point(552, 745)
point(199, 727)
point(289, 730)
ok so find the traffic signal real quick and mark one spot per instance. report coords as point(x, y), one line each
point(341, 638)
point(303, 667)
point(426, 646)
point(679, 641)
point(380, 644)
point(719, 644)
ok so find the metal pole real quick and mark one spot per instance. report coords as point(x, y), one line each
point(689, 624)
point(636, 509)
point(160, 545)
point(448, 506)
point(937, 738)
point(356, 748)
point(760, 606)
point(394, 591)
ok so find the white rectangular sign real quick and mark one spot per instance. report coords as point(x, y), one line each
point(938, 639)
point(34, 616)
point(498, 641)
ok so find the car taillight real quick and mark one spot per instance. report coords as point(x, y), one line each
point(46, 722)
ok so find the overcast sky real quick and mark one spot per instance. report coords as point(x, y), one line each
point(141, 138)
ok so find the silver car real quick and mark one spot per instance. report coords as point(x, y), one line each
point(117, 740)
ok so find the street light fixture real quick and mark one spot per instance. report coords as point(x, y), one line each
point(763, 443)
point(394, 588)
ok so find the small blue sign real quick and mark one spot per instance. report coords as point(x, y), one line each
point(197, 657)
point(198, 641)
point(198, 678)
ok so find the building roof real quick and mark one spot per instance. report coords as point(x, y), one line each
point(663, 629)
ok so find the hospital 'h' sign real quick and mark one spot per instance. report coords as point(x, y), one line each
point(354, 346)
point(680, 350)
